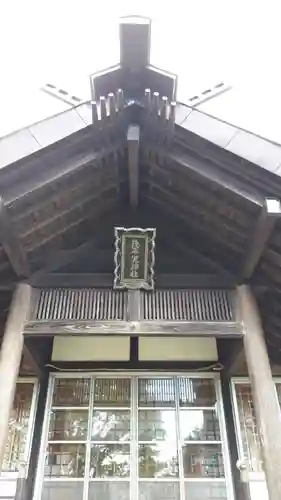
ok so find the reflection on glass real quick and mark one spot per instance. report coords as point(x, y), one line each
point(62, 490)
point(157, 425)
point(111, 426)
point(18, 427)
point(199, 425)
point(111, 490)
point(112, 392)
point(65, 460)
point(205, 490)
point(251, 440)
point(156, 392)
point(196, 391)
point(68, 425)
point(110, 460)
point(202, 461)
point(158, 460)
point(161, 490)
point(71, 392)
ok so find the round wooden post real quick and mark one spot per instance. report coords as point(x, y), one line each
point(264, 393)
point(10, 357)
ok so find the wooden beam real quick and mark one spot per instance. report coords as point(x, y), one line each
point(133, 140)
point(131, 365)
point(134, 305)
point(227, 329)
point(270, 212)
point(232, 357)
point(12, 244)
point(190, 225)
point(106, 280)
point(210, 172)
point(265, 401)
point(62, 258)
point(10, 357)
point(36, 353)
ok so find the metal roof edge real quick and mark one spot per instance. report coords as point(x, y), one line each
point(242, 143)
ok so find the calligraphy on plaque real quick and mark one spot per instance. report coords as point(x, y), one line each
point(134, 258)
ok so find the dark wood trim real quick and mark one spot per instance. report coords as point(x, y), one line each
point(37, 433)
point(222, 329)
point(212, 173)
point(32, 356)
point(231, 356)
point(231, 436)
point(62, 258)
point(12, 244)
point(180, 281)
point(133, 142)
point(134, 349)
point(258, 239)
point(131, 365)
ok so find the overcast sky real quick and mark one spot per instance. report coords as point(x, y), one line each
point(204, 42)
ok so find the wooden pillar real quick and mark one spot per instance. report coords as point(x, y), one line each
point(10, 357)
point(264, 394)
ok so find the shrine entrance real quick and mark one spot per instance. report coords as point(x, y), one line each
point(119, 436)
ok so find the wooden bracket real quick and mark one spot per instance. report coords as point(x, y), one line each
point(262, 230)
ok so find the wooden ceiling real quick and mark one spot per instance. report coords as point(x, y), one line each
point(59, 207)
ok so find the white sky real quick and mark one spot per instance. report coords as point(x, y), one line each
point(203, 41)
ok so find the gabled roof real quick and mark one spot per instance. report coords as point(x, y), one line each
point(65, 182)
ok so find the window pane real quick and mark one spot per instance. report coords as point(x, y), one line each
point(61, 490)
point(159, 491)
point(18, 427)
point(68, 425)
point(202, 460)
point(156, 392)
point(112, 460)
point(205, 490)
point(196, 392)
point(71, 392)
point(65, 460)
point(159, 460)
point(109, 491)
point(112, 392)
point(199, 425)
point(251, 440)
point(111, 426)
point(157, 425)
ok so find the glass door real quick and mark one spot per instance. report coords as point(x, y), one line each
point(134, 437)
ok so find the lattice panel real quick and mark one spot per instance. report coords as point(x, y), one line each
point(112, 392)
point(81, 304)
point(18, 427)
point(157, 392)
point(251, 440)
point(188, 305)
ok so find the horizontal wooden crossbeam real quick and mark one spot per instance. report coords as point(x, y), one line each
point(140, 328)
point(106, 280)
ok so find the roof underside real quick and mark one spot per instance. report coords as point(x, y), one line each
point(201, 183)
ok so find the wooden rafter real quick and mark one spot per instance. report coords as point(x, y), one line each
point(259, 237)
point(211, 173)
point(62, 258)
point(12, 244)
point(133, 140)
